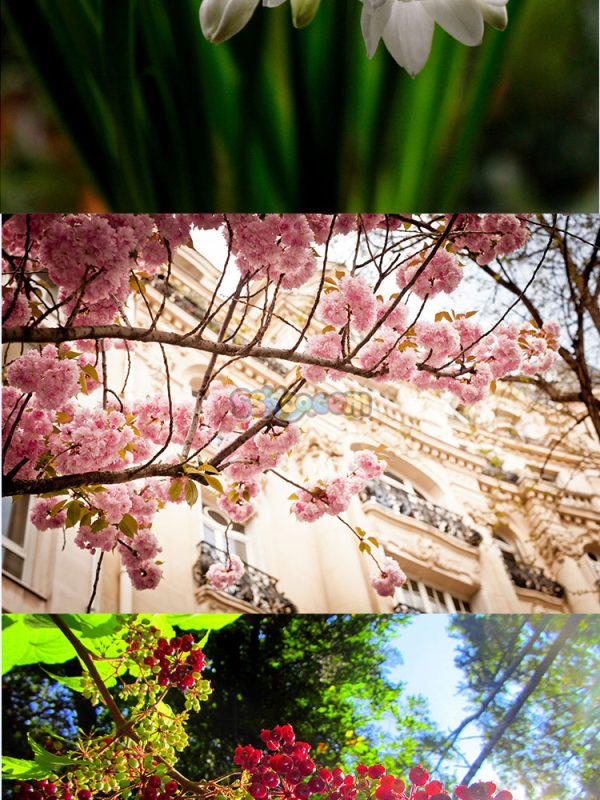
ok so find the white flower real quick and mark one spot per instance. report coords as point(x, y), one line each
point(406, 26)
point(222, 19)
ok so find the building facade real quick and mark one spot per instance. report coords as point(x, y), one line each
point(487, 509)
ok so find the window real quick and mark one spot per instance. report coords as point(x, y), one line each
point(14, 536)
point(214, 526)
point(421, 597)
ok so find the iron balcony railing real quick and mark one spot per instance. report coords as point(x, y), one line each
point(531, 577)
point(403, 608)
point(255, 587)
point(410, 505)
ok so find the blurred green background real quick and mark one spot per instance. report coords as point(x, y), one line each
point(122, 105)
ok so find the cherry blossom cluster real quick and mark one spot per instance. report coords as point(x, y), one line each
point(333, 496)
point(222, 576)
point(390, 578)
point(285, 768)
point(88, 265)
point(90, 256)
point(490, 235)
point(453, 353)
point(442, 273)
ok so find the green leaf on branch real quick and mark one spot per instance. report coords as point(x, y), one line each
point(74, 510)
point(191, 493)
point(214, 483)
point(26, 642)
point(175, 490)
point(91, 372)
point(22, 769)
point(201, 622)
point(128, 525)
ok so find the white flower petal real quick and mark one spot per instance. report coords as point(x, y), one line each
point(462, 19)
point(408, 35)
point(373, 21)
point(222, 19)
point(494, 13)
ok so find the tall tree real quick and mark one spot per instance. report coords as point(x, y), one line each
point(532, 682)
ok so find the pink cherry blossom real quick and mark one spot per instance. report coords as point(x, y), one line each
point(326, 346)
point(352, 303)
point(53, 380)
point(41, 516)
point(389, 579)
point(443, 273)
point(221, 576)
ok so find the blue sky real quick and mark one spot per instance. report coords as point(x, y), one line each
point(428, 669)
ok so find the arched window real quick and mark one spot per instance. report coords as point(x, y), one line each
point(15, 539)
point(214, 525)
point(507, 543)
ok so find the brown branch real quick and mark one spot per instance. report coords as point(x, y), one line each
point(124, 727)
point(559, 642)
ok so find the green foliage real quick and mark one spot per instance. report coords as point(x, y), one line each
point(325, 675)
point(43, 764)
point(242, 122)
point(551, 748)
point(34, 638)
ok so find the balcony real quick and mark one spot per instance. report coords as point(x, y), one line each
point(410, 505)
point(403, 608)
point(256, 587)
point(531, 577)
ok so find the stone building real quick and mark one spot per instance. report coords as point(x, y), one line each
point(486, 509)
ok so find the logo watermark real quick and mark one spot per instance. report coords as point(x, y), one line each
point(264, 400)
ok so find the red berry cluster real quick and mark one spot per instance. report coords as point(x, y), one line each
point(39, 790)
point(434, 790)
point(180, 664)
point(153, 789)
point(293, 775)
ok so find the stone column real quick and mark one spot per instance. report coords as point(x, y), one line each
point(581, 597)
point(497, 593)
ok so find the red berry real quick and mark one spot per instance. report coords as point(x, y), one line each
point(171, 787)
point(376, 771)
point(155, 781)
point(317, 785)
point(258, 791)
point(504, 795)
point(418, 775)
point(433, 787)
point(84, 794)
